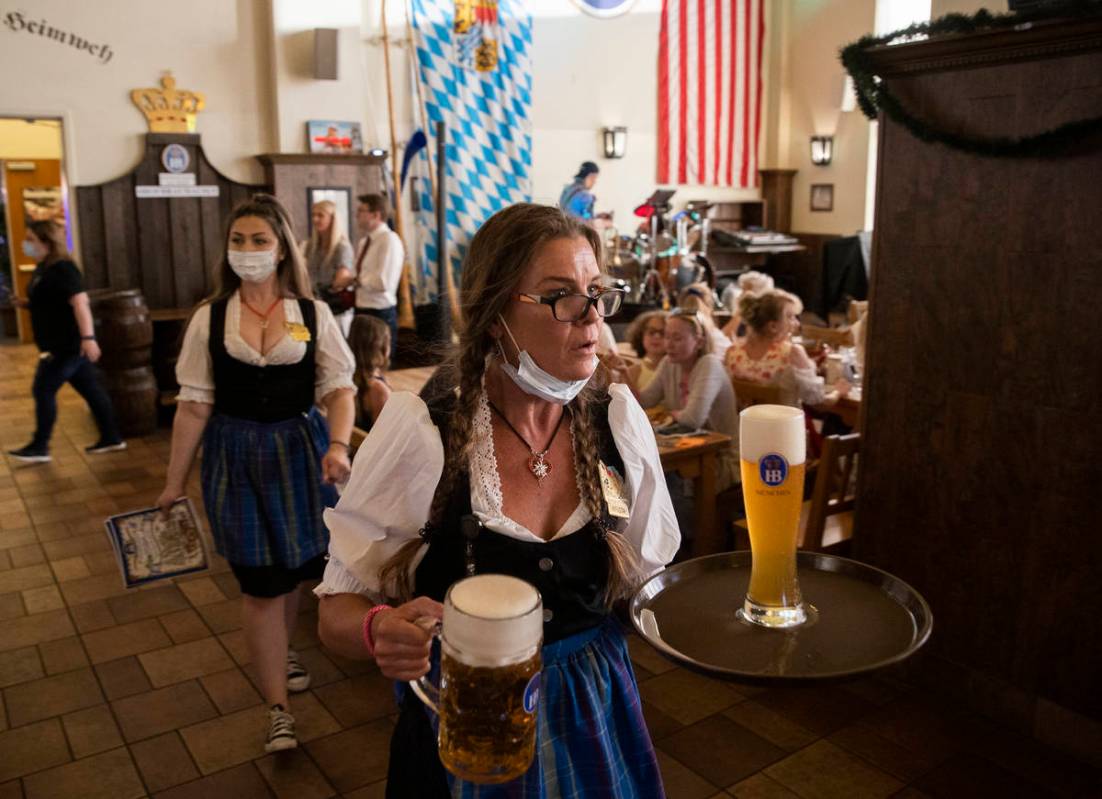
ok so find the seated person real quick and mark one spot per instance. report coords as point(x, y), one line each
point(691, 382)
point(699, 297)
point(748, 283)
point(369, 340)
point(647, 335)
point(769, 356)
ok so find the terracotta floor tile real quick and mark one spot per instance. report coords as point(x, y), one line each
point(164, 762)
point(5, 560)
point(27, 555)
point(24, 577)
point(721, 751)
point(11, 790)
point(659, 724)
point(52, 532)
point(688, 697)
point(222, 617)
point(882, 753)
point(103, 563)
point(352, 668)
point(228, 585)
point(358, 700)
point(312, 720)
point(240, 782)
point(125, 639)
point(64, 654)
point(760, 787)
point(91, 731)
point(51, 696)
point(120, 489)
point(185, 661)
point(374, 791)
point(825, 771)
point(770, 725)
point(355, 757)
point(146, 604)
point(28, 630)
point(110, 775)
point(32, 748)
point(92, 616)
point(293, 775)
point(235, 644)
point(184, 625)
point(322, 670)
point(201, 591)
point(19, 666)
point(15, 521)
point(42, 599)
point(155, 712)
point(70, 568)
point(228, 740)
point(968, 775)
point(917, 727)
point(680, 782)
point(230, 690)
point(57, 513)
point(18, 538)
point(77, 545)
point(89, 589)
point(822, 709)
point(11, 607)
point(122, 677)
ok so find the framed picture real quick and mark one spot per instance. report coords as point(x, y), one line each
point(329, 136)
point(822, 196)
point(340, 197)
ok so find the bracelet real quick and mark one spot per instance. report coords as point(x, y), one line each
point(87, 338)
point(369, 642)
point(341, 444)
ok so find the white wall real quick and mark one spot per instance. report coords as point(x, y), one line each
point(589, 73)
point(218, 47)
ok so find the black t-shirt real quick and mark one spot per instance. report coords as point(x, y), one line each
point(51, 288)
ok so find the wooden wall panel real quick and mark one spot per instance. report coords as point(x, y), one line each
point(982, 450)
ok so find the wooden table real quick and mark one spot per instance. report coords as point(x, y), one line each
point(848, 408)
point(697, 462)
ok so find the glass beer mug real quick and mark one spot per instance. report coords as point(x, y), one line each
point(490, 642)
point(772, 449)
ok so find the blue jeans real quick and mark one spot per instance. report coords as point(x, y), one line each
point(388, 315)
point(53, 372)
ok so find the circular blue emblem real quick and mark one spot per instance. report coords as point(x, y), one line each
point(773, 469)
point(532, 694)
point(605, 8)
point(175, 158)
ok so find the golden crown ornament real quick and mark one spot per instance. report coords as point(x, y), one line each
point(168, 109)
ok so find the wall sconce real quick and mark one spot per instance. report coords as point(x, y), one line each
point(616, 142)
point(822, 150)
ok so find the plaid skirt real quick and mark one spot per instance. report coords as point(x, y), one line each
point(591, 741)
point(263, 489)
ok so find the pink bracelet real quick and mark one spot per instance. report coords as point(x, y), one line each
point(369, 642)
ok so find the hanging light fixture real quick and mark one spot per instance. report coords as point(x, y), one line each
point(616, 142)
point(822, 150)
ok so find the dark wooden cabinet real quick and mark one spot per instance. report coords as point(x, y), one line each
point(982, 451)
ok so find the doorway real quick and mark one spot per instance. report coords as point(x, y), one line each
point(31, 177)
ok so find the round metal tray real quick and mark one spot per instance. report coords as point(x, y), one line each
point(862, 619)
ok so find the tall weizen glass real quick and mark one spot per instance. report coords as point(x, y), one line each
point(772, 450)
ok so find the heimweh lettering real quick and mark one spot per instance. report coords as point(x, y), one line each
point(18, 22)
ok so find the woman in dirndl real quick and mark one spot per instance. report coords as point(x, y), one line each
point(526, 469)
point(257, 357)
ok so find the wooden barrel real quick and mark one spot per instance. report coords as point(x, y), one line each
point(123, 328)
point(134, 394)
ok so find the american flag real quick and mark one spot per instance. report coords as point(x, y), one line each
point(709, 91)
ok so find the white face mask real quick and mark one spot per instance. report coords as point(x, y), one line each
point(535, 381)
point(253, 267)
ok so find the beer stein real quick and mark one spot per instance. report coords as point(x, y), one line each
point(490, 642)
point(772, 449)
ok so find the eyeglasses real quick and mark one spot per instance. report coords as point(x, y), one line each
point(575, 307)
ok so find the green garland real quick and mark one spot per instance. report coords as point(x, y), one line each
point(874, 96)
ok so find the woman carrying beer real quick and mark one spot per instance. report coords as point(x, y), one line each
point(524, 470)
point(256, 357)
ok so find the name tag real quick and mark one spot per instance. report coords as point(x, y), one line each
point(612, 486)
point(297, 332)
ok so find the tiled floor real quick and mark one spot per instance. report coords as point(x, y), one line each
point(117, 695)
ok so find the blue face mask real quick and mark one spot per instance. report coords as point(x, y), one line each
point(531, 379)
point(31, 250)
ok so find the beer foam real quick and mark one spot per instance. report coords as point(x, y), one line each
point(492, 620)
point(772, 428)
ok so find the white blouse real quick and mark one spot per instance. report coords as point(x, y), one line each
point(195, 371)
point(396, 470)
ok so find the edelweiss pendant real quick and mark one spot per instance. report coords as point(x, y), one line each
point(539, 467)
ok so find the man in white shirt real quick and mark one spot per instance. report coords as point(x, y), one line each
point(379, 259)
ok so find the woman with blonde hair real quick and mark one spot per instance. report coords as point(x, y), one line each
point(769, 356)
point(700, 298)
point(369, 340)
point(748, 283)
point(328, 254)
point(258, 355)
point(504, 474)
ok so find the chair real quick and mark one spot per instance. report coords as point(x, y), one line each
point(748, 393)
point(826, 520)
point(834, 336)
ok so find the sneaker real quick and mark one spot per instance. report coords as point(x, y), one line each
point(281, 730)
point(30, 454)
point(298, 678)
point(105, 446)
